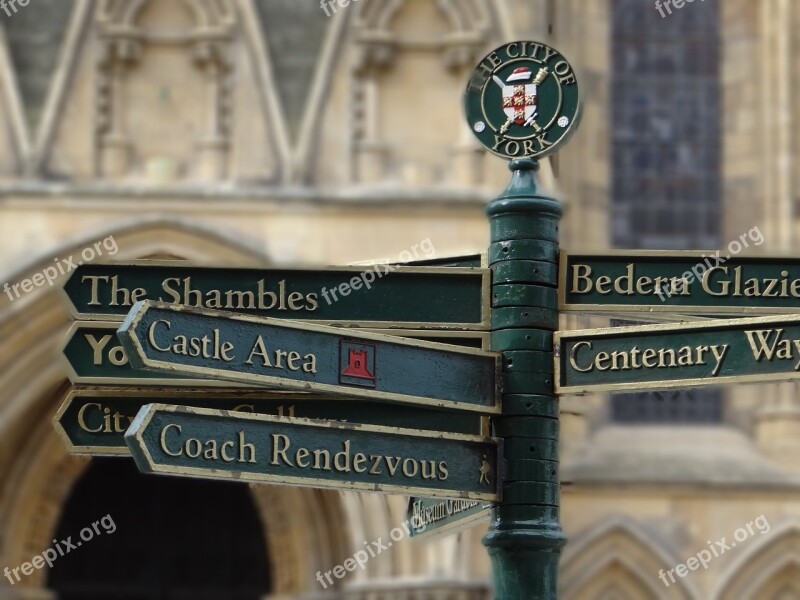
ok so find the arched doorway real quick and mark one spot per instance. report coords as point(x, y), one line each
point(166, 539)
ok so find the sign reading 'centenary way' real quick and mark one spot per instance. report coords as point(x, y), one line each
point(258, 448)
point(377, 296)
point(668, 356)
point(94, 421)
point(283, 354)
point(679, 282)
point(431, 517)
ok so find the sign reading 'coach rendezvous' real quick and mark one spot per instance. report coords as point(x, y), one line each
point(670, 356)
point(283, 354)
point(376, 296)
point(679, 282)
point(218, 444)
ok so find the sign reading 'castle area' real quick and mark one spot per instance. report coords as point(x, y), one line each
point(669, 356)
point(193, 442)
point(375, 295)
point(684, 282)
point(283, 354)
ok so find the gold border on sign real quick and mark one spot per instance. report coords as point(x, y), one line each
point(485, 274)
point(147, 412)
point(483, 336)
point(281, 383)
point(466, 254)
point(664, 310)
point(731, 325)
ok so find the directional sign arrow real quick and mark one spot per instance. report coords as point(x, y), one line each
point(92, 354)
point(434, 517)
point(685, 283)
point(216, 444)
point(378, 296)
point(710, 352)
point(94, 421)
point(283, 354)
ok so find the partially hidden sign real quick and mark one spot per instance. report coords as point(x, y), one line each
point(94, 421)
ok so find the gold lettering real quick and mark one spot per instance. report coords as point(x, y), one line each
point(277, 451)
point(724, 286)
point(82, 421)
point(223, 451)
point(151, 337)
point(320, 454)
point(246, 446)
point(578, 277)
point(300, 457)
point(95, 279)
point(97, 347)
point(163, 440)
point(358, 460)
point(573, 357)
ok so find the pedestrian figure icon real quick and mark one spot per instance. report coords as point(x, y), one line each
point(485, 468)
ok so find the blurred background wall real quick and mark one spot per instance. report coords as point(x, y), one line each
point(256, 132)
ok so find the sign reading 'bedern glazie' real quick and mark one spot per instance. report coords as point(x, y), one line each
point(216, 444)
point(300, 356)
point(376, 295)
point(679, 282)
point(669, 355)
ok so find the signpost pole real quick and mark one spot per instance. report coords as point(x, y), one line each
point(525, 537)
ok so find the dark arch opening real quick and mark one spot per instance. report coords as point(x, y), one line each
point(165, 539)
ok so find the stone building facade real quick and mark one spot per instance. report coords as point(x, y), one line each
point(254, 132)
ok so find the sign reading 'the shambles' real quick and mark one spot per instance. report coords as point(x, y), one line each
point(377, 295)
point(679, 282)
point(678, 355)
point(215, 444)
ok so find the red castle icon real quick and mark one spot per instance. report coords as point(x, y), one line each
point(357, 365)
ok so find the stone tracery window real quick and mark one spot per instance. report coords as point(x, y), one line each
point(666, 159)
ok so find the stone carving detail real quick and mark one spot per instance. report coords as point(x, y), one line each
point(126, 43)
point(378, 47)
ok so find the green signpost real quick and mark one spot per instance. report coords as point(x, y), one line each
point(93, 421)
point(523, 102)
point(377, 296)
point(216, 444)
point(678, 355)
point(282, 354)
point(689, 283)
point(434, 517)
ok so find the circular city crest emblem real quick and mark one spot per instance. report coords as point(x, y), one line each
point(522, 100)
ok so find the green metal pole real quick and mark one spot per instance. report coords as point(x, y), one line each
point(525, 537)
